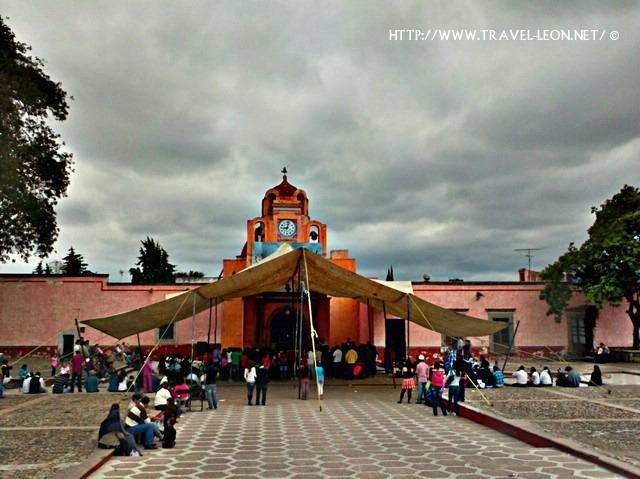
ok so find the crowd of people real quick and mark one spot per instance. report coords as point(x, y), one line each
point(457, 370)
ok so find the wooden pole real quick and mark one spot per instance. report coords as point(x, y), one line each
point(504, 365)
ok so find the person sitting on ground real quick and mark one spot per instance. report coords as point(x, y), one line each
point(162, 396)
point(545, 377)
point(169, 434)
point(23, 372)
point(498, 377)
point(489, 379)
point(65, 368)
point(534, 377)
point(573, 377)
point(113, 433)
point(61, 384)
point(596, 376)
point(26, 383)
point(138, 422)
point(91, 382)
point(36, 385)
point(569, 379)
point(561, 379)
point(602, 354)
point(521, 378)
point(156, 420)
point(113, 383)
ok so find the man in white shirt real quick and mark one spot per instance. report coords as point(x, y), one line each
point(337, 362)
point(521, 377)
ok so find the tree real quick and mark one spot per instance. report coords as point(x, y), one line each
point(73, 264)
point(39, 269)
point(390, 274)
point(34, 172)
point(607, 266)
point(190, 275)
point(154, 266)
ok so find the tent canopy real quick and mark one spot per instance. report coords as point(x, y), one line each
point(318, 274)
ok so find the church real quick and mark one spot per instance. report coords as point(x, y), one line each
point(47, 313)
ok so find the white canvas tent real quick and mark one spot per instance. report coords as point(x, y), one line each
point(319, 275)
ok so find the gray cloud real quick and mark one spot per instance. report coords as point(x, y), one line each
point(434, 156)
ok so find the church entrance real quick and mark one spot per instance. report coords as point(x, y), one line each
point(283, 330)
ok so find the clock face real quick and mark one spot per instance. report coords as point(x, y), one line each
point(287, 228)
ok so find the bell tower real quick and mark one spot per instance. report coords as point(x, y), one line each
point(285, 219)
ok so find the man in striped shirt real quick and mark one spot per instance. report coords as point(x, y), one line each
point(138, 422)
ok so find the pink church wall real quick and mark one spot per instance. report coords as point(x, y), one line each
point(37, 310)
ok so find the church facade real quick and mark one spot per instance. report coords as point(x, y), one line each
point(44, 313)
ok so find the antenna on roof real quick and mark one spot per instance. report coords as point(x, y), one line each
point(528, 255)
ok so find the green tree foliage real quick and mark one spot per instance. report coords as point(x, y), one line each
point(73, 264)
point(153, 265)
point(34, 172)
point(39, 269)
point(607, 266)
point(190, 275)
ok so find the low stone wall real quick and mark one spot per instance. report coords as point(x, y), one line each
point(625, 355)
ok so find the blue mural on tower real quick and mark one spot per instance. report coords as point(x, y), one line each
point(261, 250)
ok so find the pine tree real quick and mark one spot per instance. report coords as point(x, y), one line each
point(153, 265)
point(73, 264)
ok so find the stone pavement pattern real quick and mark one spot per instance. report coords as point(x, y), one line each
point(360, 433)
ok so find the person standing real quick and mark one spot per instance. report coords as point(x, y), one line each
point(211, 374)
point(320, 378)
point(436, 376)
point(262, 380)
point(337, 362)
point(147, 376)
point(54, 364)
point(453, 380)
point(422, 375)
point(250, 378)
point(77, 363)
point(304, 380)
point(408, 383)
point(284, 367)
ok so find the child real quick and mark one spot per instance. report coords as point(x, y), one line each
point(54, 364)
point(169, 434)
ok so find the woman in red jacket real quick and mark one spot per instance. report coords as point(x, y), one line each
point(436, 376)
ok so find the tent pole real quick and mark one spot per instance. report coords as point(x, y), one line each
point(209, 330)
point(386, 343)
point(510, 346)
point(369, 320)
point(408, 328)
point(215, 330)
point(193, 330)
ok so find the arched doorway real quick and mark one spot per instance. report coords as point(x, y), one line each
point(283, 330)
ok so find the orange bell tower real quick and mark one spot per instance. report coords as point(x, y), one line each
point(285, 219)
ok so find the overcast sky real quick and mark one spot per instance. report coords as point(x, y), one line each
point(434, 155)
